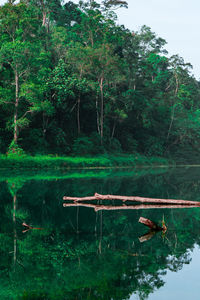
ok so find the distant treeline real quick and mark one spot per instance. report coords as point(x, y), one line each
point(72, 81)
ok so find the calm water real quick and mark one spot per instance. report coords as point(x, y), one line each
point(78, 253)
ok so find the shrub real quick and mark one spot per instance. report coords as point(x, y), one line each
point(154, 147)
point(115, 146)
point(15, 149)
point(82, 146)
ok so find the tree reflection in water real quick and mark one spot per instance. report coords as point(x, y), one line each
point(83, 254)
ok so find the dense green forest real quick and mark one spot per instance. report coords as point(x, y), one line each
point(73, 81)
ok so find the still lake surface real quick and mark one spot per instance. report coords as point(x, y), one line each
point(77, 253)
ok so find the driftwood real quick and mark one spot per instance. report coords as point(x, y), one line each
point(135, 199)
point(153, 229)
point(153, 226)
point(121, 207)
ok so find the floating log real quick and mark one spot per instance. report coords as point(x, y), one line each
point(153, 226)
point(121, 207)
point(133, 198)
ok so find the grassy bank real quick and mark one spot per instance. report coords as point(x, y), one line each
point(53, 162)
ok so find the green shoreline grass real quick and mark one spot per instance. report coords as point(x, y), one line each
point(104, 161)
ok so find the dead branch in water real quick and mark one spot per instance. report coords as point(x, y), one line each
point(120, 207)
point(153, 226)
point(132, 198)
point(153, 229)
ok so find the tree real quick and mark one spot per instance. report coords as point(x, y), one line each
point(19, 54)
point(16, 50)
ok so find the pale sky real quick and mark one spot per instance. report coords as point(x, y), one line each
point(177, 21)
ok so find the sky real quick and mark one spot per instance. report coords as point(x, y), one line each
point(177, 21)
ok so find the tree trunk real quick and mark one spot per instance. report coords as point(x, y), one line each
point(98, 127)
point(44, 18)
point(44, 13)
point(16, 131)
point(102, 108)
point(78, 114)
point(113, 130)
point(174, 106)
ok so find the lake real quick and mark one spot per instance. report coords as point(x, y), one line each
point(80, 253)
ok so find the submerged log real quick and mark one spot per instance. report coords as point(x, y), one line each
point(153, 226)
point(133, 198)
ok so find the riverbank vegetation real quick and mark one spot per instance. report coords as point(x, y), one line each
point(74, 82)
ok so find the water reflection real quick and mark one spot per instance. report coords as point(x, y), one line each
point(182, 284)
point(83, 254)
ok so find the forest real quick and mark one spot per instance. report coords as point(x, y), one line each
point(74, 82)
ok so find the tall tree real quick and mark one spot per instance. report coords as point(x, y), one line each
point(20, 53)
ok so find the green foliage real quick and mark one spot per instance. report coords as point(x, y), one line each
point(82, 146)
point(15, 150)
point(74, 82)
point(115, 146)
point(15, 185)
point(155, 148)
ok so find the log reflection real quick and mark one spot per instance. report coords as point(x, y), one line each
point(147, 236)
point(97, 207)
